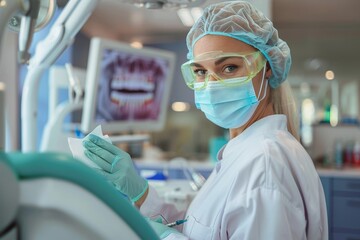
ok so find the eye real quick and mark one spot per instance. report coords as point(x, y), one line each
point(230, 68)
point(199, 72)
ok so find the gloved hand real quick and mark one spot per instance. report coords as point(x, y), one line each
point(162, 230)
point(117, 166)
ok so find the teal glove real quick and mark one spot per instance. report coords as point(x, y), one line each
point(162, 230)
point(117, 166)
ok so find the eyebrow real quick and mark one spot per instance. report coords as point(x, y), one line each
point(195, 65)
point(217, 62)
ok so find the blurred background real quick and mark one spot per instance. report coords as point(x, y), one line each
point(324, 39)
point(323, 36)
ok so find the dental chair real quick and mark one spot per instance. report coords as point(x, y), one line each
point(53, 196)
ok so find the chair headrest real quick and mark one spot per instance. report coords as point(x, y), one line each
point(9, 197)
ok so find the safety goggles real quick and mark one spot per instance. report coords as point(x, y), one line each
point(222, 66)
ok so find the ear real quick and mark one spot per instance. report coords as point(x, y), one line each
point(268, 71)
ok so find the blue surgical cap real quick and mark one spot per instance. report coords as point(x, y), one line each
point(241, 21)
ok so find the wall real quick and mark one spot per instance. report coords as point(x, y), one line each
point(325, 138)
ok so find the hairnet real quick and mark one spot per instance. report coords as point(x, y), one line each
point(241, 21)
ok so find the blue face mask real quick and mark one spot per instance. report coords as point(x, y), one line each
point(228, 107)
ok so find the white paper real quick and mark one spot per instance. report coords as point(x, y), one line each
point(77, 148)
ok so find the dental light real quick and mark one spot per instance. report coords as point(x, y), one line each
point(27, 16)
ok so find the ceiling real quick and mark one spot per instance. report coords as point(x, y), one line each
point(322, 34)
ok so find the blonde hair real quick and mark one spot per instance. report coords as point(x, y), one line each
point(284, 103)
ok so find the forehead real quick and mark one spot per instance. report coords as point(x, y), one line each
point(211, 43)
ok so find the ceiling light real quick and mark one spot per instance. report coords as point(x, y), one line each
point(334, 115)
point(2, 3)
point(180, 106)
point(136, 44)
point(185, 16)
point(189, 16)
point(329, 75)
point(139, 5)
point(196, 13)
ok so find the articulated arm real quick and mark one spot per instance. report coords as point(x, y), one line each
point(61, 34)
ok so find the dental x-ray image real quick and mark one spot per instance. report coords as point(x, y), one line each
point(131, 86)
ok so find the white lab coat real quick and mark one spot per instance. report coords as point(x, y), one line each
point(264, 186)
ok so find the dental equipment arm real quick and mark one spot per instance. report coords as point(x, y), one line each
point(27, 28)
point(7, 9)
point(70, 21)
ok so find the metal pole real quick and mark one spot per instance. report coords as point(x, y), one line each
point(2, 117)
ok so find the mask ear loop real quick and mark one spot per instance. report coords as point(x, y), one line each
point(266, 84)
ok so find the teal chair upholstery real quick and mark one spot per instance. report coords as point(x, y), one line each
point(60, 196)
point(9, 201)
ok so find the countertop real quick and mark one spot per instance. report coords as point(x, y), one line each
point(344, 172)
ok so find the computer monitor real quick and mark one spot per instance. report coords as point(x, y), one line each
point(127, 89)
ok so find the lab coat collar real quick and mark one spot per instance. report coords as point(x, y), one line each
point(219, 158)
point(272, 122)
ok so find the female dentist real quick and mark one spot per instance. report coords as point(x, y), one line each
point(264, 185)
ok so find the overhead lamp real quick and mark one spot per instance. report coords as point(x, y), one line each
point(196, 13)
point(189, 16)
point(180, 106)
point(2, 3)
point(136, 44)
point(329, 75)
point(185, 17)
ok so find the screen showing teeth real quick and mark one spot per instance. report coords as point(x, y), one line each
point(131, 86)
